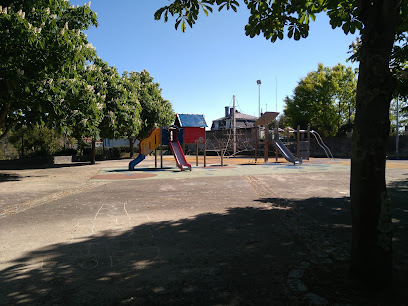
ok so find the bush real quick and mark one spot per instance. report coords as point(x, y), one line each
point(66, 152)
point(38, 140)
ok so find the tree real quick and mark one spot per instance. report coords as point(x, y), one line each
point(402, 116)
point(40, 42)
point(324, 98)
point(122, 109)
point(381, 23)
point(36, 140)
point(156, 111)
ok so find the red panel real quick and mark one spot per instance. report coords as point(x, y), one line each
point(194, 135)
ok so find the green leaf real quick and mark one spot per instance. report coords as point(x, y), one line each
point(158, 13)
point(297, 35)
point(313, 16)
point(177, 24)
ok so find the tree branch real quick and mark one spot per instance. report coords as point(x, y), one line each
point(3, 114)
point(6, 132)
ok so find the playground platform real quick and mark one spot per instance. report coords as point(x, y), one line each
point(266, 233)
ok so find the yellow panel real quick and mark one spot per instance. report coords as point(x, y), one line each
point(150, 143)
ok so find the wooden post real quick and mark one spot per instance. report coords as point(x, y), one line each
point(205, 154)
point(276, 147)
point(222, 154)
point(308, 141)
point(298, 141)
point(161, 156)
point(256, 144)
point(197, 154)
point(266, 145)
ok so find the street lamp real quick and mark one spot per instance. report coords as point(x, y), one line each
point(259, 96)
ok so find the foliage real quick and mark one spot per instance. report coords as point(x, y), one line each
point(50, 74)
point(36, 140)
point(324, 98)
point(81, 109)
point(156, 111)
point(41, 42)
point(281, 121)
point(121, 114)
point(7, 150)
point(403, 116)
point(398, 67)
point(273, 18)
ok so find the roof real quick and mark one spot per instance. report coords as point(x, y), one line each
point(189, 120)
point(239, 115)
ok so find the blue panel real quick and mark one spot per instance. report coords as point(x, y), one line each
point(187, 120)
point(165, 136)
point(180, 136)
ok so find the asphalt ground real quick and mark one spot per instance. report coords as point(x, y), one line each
point(241, 234)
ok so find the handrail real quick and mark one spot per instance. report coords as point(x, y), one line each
point(322, 144)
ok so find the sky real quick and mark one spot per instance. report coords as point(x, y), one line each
point(201, 70)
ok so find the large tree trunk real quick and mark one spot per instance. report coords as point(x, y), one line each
point(371, 254)
point(93, 152)
point(131, 147)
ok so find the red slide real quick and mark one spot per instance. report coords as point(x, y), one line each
point(179, 155)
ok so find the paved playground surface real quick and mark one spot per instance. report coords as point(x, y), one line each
point(240, 234)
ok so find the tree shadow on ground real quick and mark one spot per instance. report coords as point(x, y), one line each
point(27, 164)
point(8, 177)
point(239, 257)
point(328, 227)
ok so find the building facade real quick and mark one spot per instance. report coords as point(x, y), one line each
point(227, 122)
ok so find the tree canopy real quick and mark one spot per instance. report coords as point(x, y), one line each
point(155, 110)
point(41, 42)
point(51, 75)
point(325, 99)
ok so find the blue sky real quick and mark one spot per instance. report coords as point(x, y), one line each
point(199, 71)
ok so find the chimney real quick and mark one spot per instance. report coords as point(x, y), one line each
point(226, 112)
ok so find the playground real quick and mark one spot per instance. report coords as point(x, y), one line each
point(189, 129)
point(237, 234)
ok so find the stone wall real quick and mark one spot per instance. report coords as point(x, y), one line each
point(340, 147)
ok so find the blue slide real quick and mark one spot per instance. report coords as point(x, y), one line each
point(137, 160)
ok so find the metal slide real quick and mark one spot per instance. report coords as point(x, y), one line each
point(322, 145)
point(286, 153)
point(179, 155)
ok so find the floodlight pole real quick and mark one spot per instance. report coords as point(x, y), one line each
point(259, 96)
point(235, 129)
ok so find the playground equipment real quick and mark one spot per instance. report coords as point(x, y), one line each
point(187, 129)
point(285, 151)
point(176, 149)
point(302, 147)
point(322, 144)
point(159, 137)
point(264, 120)
point(146, 146)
